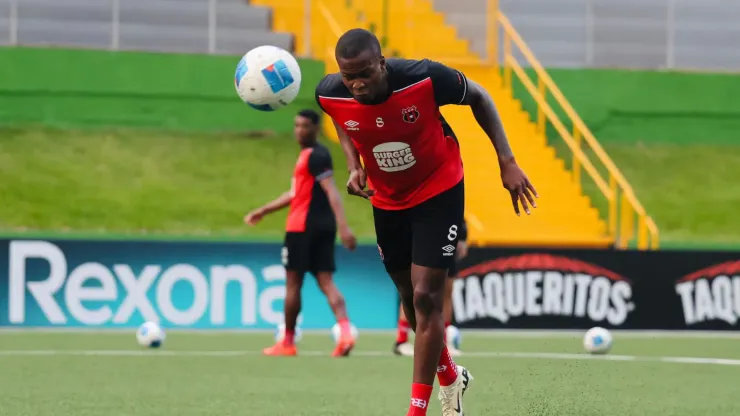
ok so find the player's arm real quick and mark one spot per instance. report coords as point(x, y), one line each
point(357, 181)
point(487, 116)
point(452, 87)
point(357, 178)
point(275, 205)
point(320, 166)
point(350, 151)
point(278, 203)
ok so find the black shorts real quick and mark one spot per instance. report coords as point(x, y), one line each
point(425, 235)
point(309, 252)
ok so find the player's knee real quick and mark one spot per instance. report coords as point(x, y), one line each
point(425, 301)
point(292, 288)
point(326, 286)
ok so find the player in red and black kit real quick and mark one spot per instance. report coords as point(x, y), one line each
point(315, 214)
point(387, 116)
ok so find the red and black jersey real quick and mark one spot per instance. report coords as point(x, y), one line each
point(310, 209)
point(409, 151)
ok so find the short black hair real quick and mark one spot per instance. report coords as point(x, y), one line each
point(356, 41)
point(311, 115)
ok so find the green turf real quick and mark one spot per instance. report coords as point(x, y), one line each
point(223, 374)
point(153, 184)
point(135, 182)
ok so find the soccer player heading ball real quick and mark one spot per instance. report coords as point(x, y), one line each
point(386, 112)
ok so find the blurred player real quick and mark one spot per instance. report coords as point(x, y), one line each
point(315, 214)
point(402, 346)
point(387, 116)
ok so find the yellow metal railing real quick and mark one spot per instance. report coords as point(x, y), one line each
point(622, 202)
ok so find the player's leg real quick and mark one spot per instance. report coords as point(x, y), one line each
point(447, 308)
point(393, 231)
point(286, 346)
point(429, 291)
point(435, 233)
point(293, 305)
point(402, 345)
point(338, 305)
point(323, 266)
point(295, 258)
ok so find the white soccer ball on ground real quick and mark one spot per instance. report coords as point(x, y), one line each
point(453, 337)
point(336, 332)
point(280, 334)
point(597, 341)
point(267, 78)
point(150, 335)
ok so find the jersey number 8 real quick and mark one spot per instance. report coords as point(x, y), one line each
point(452, 233)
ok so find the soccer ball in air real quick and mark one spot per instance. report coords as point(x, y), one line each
point(267, 78)
point(453, 337)
point(336, 332)
point(280, 334)
point(150, 335)
point(597, 341)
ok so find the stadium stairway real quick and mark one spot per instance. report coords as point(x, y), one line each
point(564, 217)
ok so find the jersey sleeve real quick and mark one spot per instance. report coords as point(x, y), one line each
point(450, 85)
point(317, 94)
point(320, 165)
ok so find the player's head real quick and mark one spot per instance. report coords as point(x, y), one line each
point(306, 127)
point(362, 65)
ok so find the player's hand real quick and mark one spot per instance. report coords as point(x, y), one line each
point(516, 182)
point(254, 217)
point(349, 241)
point(357, 183)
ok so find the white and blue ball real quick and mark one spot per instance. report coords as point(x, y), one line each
point(280, 334)
point(597, 340)
point(336, 332)
point(267, 78)
point(453, 337)
point(150, 335)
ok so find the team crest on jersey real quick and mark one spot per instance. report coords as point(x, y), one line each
point(410, 114)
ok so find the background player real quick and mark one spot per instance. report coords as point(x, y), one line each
point(413, 166)
point(402, 346)
point(315, 213)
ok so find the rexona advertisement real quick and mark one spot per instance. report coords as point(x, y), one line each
point(579, 289)
point(187, 285)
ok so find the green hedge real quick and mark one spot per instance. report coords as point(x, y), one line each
point(78, 88)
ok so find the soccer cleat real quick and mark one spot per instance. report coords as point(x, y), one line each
point(405, 349)
point(281, 350)
point(344, 346)
point(451, 396)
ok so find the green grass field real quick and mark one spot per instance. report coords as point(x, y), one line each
point(93, 374)
point(135, 182)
